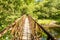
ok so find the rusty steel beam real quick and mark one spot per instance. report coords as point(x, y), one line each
point(45, 31)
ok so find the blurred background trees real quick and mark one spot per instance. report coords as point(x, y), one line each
point(38, 9)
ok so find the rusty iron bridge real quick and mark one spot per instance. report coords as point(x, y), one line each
point(26, 28)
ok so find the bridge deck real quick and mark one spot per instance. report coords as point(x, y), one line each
point(24, 28)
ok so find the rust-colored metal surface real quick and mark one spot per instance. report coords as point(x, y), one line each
point(25, 28)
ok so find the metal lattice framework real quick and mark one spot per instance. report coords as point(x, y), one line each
point(17, 29)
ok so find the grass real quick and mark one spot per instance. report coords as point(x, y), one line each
point(47, 21)
point(44, 21)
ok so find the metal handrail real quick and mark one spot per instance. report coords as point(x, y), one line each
point(50, 37)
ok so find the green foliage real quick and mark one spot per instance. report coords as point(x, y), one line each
point(44, 21)
point(13, 9)
point(7, 36)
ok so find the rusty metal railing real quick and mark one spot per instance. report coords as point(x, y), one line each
point(17, 29)
point(34, 24)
